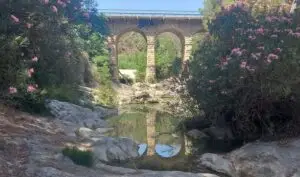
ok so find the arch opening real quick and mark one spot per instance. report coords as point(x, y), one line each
point(132, 55)
point(168, 54)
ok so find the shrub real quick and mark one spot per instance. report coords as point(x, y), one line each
point(105, 96)
point(247, 72)
point(79, 157)
point(41, 47)
point(101, 69)
point(29, 102)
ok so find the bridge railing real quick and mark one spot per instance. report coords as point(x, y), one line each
point(158, 13)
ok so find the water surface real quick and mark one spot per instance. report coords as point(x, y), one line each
point(161, 146)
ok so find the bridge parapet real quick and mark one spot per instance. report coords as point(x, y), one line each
point(150, 13)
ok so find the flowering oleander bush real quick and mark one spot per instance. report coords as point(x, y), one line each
point(41, 44)
point(247, 71)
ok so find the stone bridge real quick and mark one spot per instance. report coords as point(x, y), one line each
point(150, 24)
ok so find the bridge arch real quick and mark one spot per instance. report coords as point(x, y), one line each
point(177, 32)
point(124, 31)
point(182, 24)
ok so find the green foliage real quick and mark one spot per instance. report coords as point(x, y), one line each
point(67, 93)
point(248, 72)
point(101, 69)
point(211, 8)
point(29, 102)
point(105, 95)
point(49, 38)
point(137, 60)
point(84, 158)
point(166, 56)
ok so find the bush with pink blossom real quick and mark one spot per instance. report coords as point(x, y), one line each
point(41, 45)
point(247, 71)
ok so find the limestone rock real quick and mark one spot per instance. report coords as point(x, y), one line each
point(89, 133)
point(114, 149)
point(77, 115)
point(217, 163)
point(52, 172)
point(259, 159)
point(84, 132)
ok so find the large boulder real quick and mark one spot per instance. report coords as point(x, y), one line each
point(70, 117)
point(109, 149)
point(259, 159)
point(78, 115)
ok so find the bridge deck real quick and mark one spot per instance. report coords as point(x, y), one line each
point(117, 13)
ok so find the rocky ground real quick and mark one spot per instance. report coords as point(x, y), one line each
point(165, 94)
point(31, 146)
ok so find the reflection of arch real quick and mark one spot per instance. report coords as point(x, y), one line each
point(152, 135)
point(149, 150)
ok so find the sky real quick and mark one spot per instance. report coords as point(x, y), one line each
point(174, 5)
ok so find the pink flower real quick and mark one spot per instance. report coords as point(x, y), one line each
point(297, 34)
point(31, 88)
point(87, 15)
point(260, 31)
point(272, 56)
point(12, 90)
point(29, 25)
point(236, 51)
point(45, 1)
point(61, 3)
point(30, 72)
point(14, 19)
point(278, 50)
point(243, 64)
point(54, 9)
point(34, 59)
point(252, 37)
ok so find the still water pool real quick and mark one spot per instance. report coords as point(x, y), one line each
point(161, 145)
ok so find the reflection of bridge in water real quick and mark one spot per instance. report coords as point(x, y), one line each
point(150, 24)
point(154, 148)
